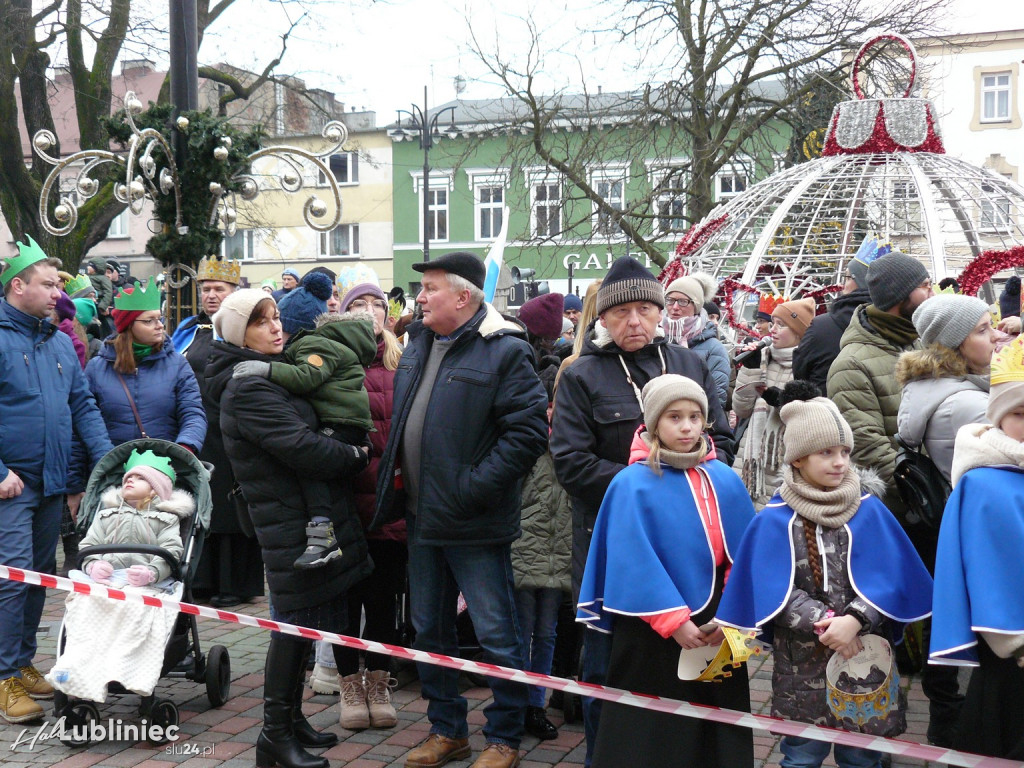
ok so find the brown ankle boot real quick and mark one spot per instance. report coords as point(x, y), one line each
point(378, 699)
point(354, 713)
point(436, 751)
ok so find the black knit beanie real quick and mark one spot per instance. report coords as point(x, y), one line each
point(628, 280)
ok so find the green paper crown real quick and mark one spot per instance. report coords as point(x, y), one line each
point(150, 459)
point(76, 284)
point(27, 256)
point(139, 299)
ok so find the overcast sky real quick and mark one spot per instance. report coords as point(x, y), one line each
point(379, 55)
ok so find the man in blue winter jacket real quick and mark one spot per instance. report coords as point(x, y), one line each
point(43, 396)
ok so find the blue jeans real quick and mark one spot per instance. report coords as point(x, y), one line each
point(807, 753)
point(484, 573)
point(29, 531)
point(538, 620)
point(597, 653)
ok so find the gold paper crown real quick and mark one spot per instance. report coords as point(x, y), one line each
point(1008, 363)
point(139, 299)
point(224, 270)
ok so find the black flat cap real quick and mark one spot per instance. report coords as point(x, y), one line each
point(461, 263)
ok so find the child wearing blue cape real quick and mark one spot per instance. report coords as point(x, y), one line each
point(823, 564)
point(978, 617)
point(661, 551)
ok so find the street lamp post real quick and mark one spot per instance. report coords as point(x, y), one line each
point(421, 120)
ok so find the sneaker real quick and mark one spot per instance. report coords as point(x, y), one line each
point(35, 684)
point(324, 680)
point(354, 714)
point(16, 706)
point(378, 699)
point(321, 546)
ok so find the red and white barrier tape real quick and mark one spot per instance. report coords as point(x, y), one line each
point(644, 701)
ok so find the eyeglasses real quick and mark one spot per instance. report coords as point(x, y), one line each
point(683, 302)
point(151, 322)
point(359, 305)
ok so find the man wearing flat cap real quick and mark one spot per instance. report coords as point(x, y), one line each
point(469, 422)
point(597, 412)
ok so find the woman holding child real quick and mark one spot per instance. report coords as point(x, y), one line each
point(272, 440)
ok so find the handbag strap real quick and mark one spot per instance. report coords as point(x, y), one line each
point(131, 402)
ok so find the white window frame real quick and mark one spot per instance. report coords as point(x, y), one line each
point(492, 210)
point(675, 194)
point(905, 213)
point(994, 219)
point(730, 172)
point(351, 161)
point(990, 86)
point(120, 228)
point(326, 241)
point(543, 177)
point(440, 180)
point(602, 181)
point(248, 245)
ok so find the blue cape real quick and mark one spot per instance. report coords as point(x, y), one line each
point(979, 566)
point(185, 334)
point(650, 552)
point(883, 568)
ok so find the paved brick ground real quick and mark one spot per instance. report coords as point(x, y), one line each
point(225, 736)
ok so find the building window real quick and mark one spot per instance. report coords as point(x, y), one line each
point(670, 214)
point(729, 184)
point(995, 97)
point(343, 240)
point(437, 215)
point(119, 225)
point(344, 166)
point(995, 210)
point(490, 204)
point(613, 191)
point(239, 246)
point(546, 197)
point(905, 208)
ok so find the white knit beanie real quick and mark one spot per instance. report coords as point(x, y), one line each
point(232, 318)
point(699, 287)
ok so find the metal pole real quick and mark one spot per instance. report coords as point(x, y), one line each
point(184, 48)
point(425, 143)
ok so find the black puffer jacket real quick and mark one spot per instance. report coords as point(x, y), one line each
point(597, 413)
point(485, 427)
point(271, 439)
point(820, 344)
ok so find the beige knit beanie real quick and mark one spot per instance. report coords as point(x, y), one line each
point(233, 316)
point(699, 287)
point(661, 391)
point(812, 426)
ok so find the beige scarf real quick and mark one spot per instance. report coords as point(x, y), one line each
point(831, 508)
point(677, 459)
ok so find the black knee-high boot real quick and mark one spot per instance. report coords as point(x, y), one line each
point(277, 744)
point(305, 733)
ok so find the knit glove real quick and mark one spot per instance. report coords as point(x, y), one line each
point(251, 368)
point(99, 570)
point(140, 575)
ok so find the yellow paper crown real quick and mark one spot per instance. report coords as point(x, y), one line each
point(224, 270)
point(1008, 363)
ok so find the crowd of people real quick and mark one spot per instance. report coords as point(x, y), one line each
point(675, 482)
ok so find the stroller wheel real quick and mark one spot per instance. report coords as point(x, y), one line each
point(77, 718)
point(218, 676)
point(163, 714)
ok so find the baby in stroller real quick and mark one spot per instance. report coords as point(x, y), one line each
point(106, 639)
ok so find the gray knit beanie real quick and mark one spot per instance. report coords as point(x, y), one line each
point(812, 426)
point(628, 280)
point(892, 278)
point(947, 319)
point(661, 391)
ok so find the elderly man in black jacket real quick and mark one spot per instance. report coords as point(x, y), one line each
point(469, 422)
point(597, 412)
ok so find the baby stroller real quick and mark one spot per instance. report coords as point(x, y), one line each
point(182, 657)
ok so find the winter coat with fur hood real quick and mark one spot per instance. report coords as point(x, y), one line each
point(328, 367)
point(157, 524)
point(939, 397)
